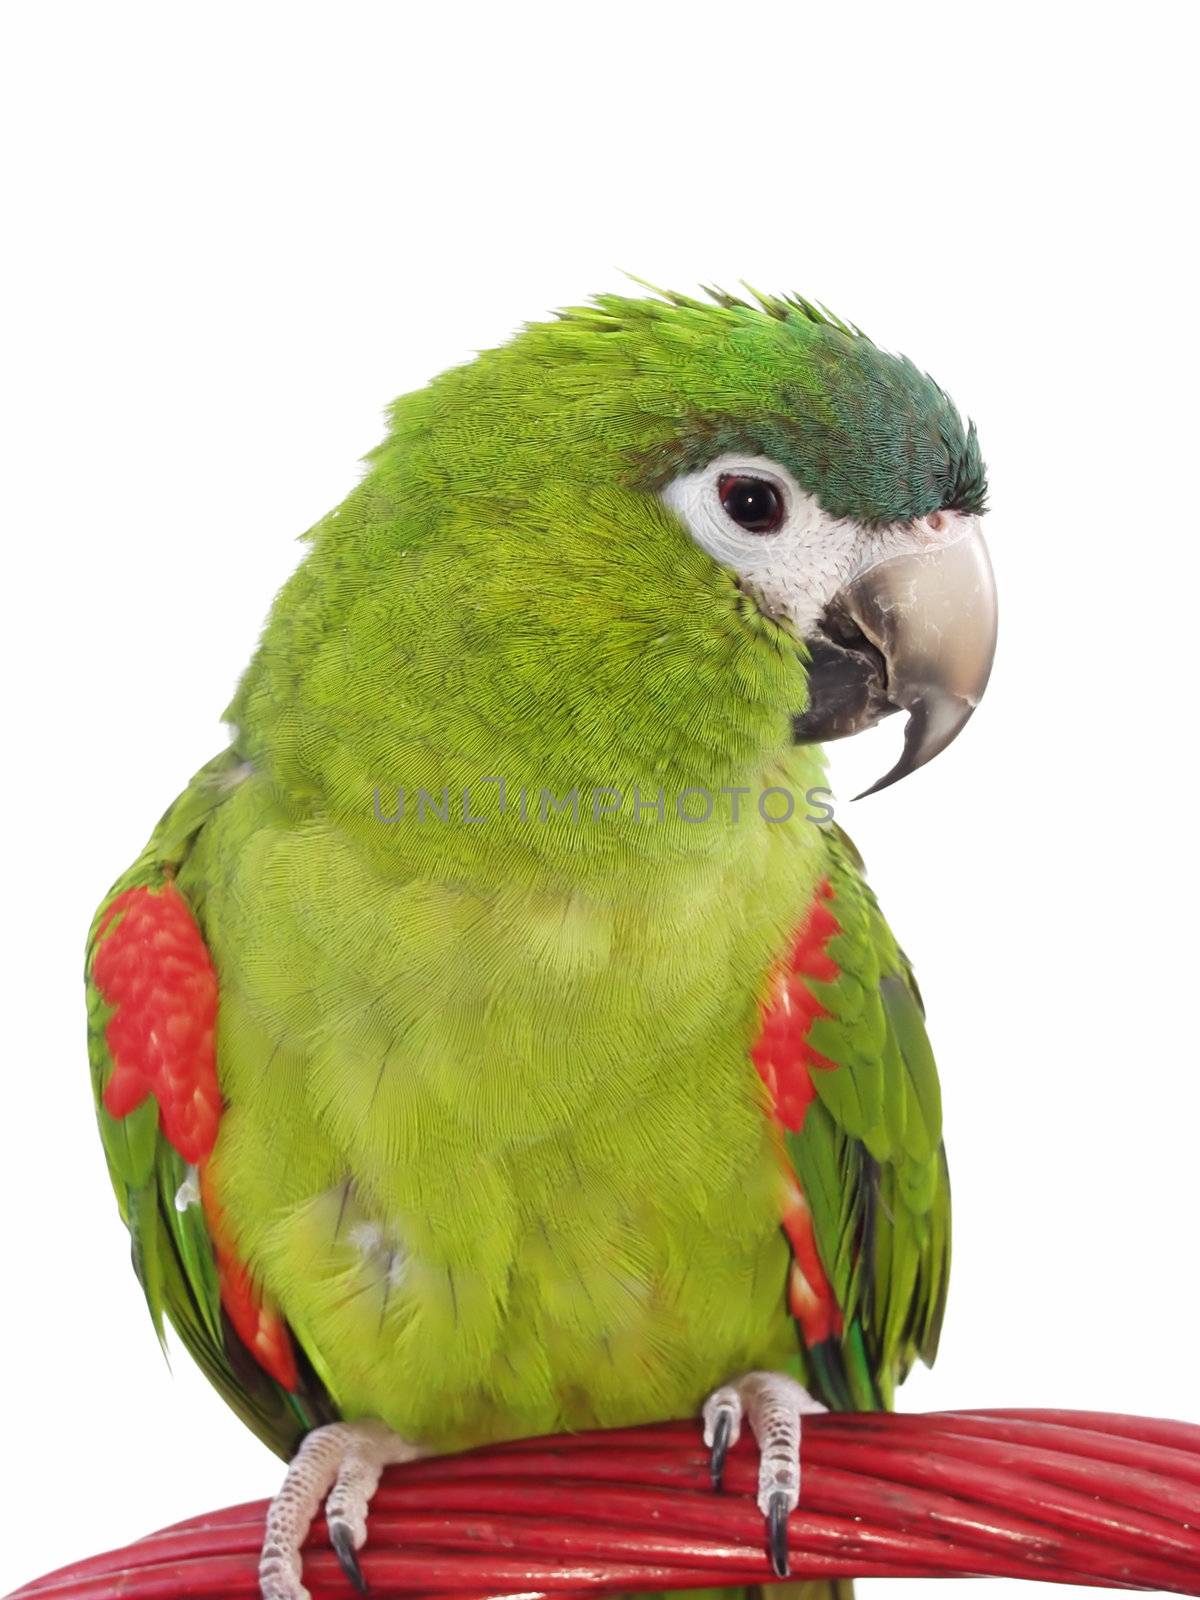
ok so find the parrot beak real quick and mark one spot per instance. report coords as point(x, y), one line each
point(915, 632)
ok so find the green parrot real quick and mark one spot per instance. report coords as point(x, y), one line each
point(499, 1037)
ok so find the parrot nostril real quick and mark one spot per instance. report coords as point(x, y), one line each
point(936, 521)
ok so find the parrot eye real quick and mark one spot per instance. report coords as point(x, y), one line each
point(755, 504)
point(746, 511)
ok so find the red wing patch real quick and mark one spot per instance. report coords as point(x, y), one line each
point(257, 1324)
point(785, 1061)
point(810, 1295)
point(152, 966)
point(782, 1053)
point(153, 969)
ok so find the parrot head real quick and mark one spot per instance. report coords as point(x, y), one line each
point(849, 507)
point(654, 522)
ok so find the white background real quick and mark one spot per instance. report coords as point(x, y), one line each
point(235, 231)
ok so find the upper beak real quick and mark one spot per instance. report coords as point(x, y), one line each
point(915, 632)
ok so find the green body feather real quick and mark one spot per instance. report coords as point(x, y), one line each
point(493, 1141)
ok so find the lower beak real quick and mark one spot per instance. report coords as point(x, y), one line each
point(916, 632)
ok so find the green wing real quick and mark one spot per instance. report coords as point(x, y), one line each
point(172, 1251)
point(869, 1155)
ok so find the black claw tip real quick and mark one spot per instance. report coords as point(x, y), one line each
point(777, 1519)
point(720, 1447)
point(343, 1547)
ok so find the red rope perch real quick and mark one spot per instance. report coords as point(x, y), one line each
point(1074, 1497)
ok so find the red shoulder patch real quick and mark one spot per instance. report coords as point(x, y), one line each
point(785, 1061)
point(153, 968)
point(782, 1053)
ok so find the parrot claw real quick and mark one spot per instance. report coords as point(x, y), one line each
point(722, 1429)
point(342, 1540)
point(777, 1525)
point(341, 1465)
point(773, 1404)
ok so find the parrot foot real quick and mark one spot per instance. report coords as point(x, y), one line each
point(340, 1464)
point(773, 1404)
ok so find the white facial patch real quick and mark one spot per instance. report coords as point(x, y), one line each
point(794, 571)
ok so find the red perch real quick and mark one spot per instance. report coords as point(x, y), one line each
point(1074, 1497)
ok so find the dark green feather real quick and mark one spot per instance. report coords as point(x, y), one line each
point(869, 1155)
